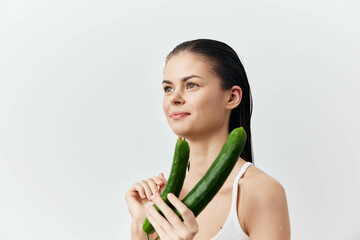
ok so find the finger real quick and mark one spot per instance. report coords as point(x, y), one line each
point(161, 176)
point(186, 213)
point(160, 183)
point(153, 186)
point(150, 216)
point(147, 189)
point(138, 188)
point(158, 180)
point(168, 213)
point(160, 224)
point(162, 188)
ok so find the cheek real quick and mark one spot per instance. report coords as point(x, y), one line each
point(166, 105)
point(210, 105)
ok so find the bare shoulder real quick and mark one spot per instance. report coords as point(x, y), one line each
point(260, 186)
point(264, 206)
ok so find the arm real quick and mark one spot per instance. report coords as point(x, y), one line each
point(268, 211)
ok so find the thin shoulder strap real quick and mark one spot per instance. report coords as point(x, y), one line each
point(236, 182)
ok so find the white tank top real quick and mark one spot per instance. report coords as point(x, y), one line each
point(232, 228)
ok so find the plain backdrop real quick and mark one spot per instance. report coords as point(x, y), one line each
point(81, 108)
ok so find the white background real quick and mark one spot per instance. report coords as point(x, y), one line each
point(81, 108)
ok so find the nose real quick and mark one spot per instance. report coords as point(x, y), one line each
point(177, 97)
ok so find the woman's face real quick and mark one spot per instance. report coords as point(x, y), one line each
point(194, 102)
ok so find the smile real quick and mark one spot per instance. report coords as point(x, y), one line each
point(179, 115)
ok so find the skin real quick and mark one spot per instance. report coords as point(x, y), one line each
point(262, 205)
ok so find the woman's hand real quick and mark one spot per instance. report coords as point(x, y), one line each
point(139, 194)
point(171, 227)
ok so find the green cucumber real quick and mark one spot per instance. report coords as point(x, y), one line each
point(205, 190)
point(176, 178)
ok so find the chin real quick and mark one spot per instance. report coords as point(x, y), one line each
point(180, 131)
point(185, 132)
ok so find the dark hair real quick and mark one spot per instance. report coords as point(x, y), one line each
point(226, 64)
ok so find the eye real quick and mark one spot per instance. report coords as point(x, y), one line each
point(167, 89)
point(191, 85)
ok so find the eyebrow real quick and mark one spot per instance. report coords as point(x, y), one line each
point(184, 79)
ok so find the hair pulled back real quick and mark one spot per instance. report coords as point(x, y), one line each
point(227, 66)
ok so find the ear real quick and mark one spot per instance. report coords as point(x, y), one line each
point(234, 97)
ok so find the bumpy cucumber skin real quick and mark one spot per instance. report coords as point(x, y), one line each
point(176, 178)
point(205, 190)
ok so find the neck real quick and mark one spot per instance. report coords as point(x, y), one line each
point(204, 149)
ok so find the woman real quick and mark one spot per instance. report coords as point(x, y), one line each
point(206, 95)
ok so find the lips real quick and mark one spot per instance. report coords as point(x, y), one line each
point(178, 115)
